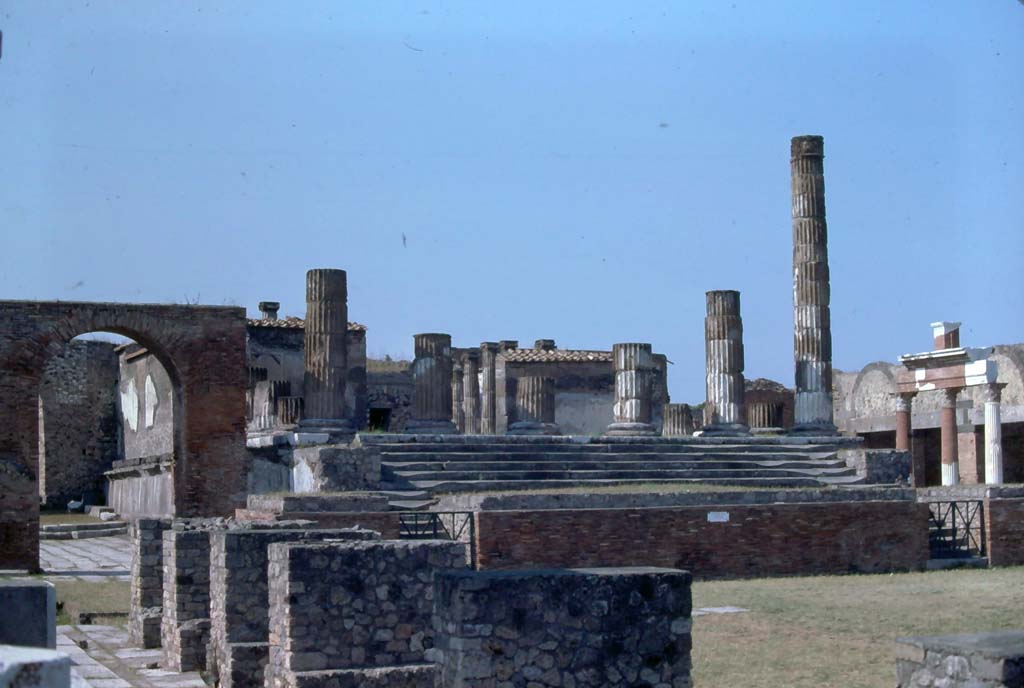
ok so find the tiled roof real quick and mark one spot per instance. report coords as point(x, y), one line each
point(556, 356)
point(293, 323)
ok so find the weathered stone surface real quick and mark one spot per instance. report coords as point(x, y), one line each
point(970, 660)
point(28, 613)
point(471, 391)
point(677, 420)
point(488, 398)
point(586, 627)
point(146, 610)
point(185, 622)
point(879, 466)
point(352, 605)
point(634, 381)
point(432, 373)
point(326, 349)
point(535, 407)
point(723, 345)
point(335, 468)
point(29, 667)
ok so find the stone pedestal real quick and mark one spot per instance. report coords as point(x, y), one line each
point(535, 407)
point(723, 345)
point(326, 351)
point(488, 393)
point(432, 392)
point(993, 437)
point(28, 613)
point(904, 408)
point(677, 420)
point(634, 377)
point(950, 441)
point(812, 334)
point(471, 391)
point(458, 410)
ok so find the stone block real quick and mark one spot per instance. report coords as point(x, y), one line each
point(29, 613)
point(29, 667)
point(969, 660)
point(608, 627)
point(412, 676)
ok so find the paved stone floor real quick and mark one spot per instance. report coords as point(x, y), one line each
point(93, 559)
point(102, 658)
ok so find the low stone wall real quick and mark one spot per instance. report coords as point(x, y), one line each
point(335, 469)
point(312, 503)
point(185, 620)
point(141, 487)
point(147, 588)
point(975, 660)
point(722, 541)
point(597, 627)
point(239, 603)
point(339, 609)
point(1004, 531)
point(386, 522)
point(28, 613)
point(879, 466)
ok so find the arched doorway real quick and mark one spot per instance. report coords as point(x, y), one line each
point(203, 350)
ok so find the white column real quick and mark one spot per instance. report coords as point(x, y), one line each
point(993, 438)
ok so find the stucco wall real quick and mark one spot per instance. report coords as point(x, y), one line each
point(146, 401)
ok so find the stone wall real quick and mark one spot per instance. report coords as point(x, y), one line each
point(727, 541)
point(879, 466)
point(185, 621)
point(340, 609)
point(596, 627)
point(239, 603)
point(142, 487)
point(147, 590)
point(970, 660)
point(335, 469)
point(584, 392)
point(1004, 531)
point(146, 403)
point(78, 423)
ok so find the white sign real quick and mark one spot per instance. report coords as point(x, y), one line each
point(718, 517)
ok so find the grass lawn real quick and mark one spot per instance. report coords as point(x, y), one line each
point(80, 596)
point(838, 630)
point(48, 518)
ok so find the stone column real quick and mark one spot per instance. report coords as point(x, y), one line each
point(950, 460)
point(432, 380)
point(471, 391)
point(634, 378)
point(535, 407)
point(812, 334)
point(677, 420)
point(993, 436)
point(458, 412)
point(488, 400)
point(904, 406)
point(326, 354)
point(723, 345)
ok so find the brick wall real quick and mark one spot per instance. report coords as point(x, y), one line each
point(1004, 531)
point(757, 540)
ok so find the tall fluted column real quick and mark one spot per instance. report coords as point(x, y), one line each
point(634, 381)
point(676, 420)
point(432, 385)
point(904, 407)
point(535, 407)
point(471, 391)
point(458, 411)
point(950, 457)
point(326, 350)
point(488, 399)
point(993, 437)
point(812, 333)
point(723, 346)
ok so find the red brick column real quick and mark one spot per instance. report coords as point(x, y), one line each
point(904, 406)
point(950, 455)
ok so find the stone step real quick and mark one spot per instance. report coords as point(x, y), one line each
point(491, 485)
point(82, 534)
point(589, 463)
point(71, 527)
point(572, 474)
point(594, 448)
point(97, 511)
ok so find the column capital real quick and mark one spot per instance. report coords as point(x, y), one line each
point(994, 391)
point(904, 401)
point(949, 395)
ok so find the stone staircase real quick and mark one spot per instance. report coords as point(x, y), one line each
point(82, 531)
point(422, 465)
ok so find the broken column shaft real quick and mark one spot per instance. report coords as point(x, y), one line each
point(634, 386)
point(471, 391)
point(812, 333)
point(677, 420)
point(432, 384)
point(535, 407)
point(723, 345)
point(326, 351)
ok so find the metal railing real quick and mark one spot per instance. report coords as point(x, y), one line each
point(956, 529)
point(458, 526)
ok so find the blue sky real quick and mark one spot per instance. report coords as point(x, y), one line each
point(576, 170)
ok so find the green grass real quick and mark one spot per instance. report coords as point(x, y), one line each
point(81, 596)
point(838, 630)
point(48, 518)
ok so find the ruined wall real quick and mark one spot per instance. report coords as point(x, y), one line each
point(390, 387)
point(78, 423)
point(584, 393)
point(1004, 531)
point(147, 405)
point(727, 541)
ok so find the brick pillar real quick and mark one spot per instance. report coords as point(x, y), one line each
point(488, 400)
point(147, 588)
point(812, 334)
point(471, 391)
point(634, 378)
point(535, 407)
point(326, 350)
point(950, 460)
point(677, 420)
point(993, 436)
point(723, 345)
point(432, 379)
point(458, 400)
point(904, 408)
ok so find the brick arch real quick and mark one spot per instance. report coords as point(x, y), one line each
point(203, 350)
